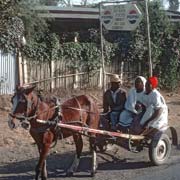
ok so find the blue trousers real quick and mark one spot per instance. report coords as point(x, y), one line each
point(114, 117)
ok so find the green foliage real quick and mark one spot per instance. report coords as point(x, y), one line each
point(169, 64)
point(11, 26)
point(81, 56)
point(39, 50)
point(18, 19)
point(173, 5)
point(85, 56)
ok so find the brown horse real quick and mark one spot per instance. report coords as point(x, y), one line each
point(80, 110)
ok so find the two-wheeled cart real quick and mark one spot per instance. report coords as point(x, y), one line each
point(158, 142)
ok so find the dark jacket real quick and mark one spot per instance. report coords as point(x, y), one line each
point(118, 105)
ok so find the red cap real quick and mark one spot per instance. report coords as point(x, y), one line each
point(153, 81)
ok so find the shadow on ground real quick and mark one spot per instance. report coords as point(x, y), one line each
point(57, 165)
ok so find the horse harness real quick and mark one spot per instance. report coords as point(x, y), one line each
point(25, 120)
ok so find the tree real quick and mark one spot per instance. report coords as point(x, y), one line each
point(18, 18)
point(173, 5)
point(49, 2)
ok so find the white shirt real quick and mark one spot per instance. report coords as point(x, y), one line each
point(154, 101)
point(133, 98)
point(114, 94)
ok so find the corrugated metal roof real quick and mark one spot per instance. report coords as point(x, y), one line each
point(86, 13)
point(67, 12)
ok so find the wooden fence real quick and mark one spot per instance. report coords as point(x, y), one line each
point(57, 74)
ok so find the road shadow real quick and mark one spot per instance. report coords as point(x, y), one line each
point(121, 163)
point(57, 164)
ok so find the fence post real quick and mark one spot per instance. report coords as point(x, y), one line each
point(52, 74)
point(20, 68)
point(100, 78)
point(25, 70)
point(76, 78)
point(122, 71)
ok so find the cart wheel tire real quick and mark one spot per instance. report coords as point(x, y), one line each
point(160, 153)
point(94, 163)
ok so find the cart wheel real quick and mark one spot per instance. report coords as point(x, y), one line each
point(94, 163)
point(160, 152)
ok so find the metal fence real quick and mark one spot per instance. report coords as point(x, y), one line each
point(8, 75)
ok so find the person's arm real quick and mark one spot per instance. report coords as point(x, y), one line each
point(131, 101)
point(105, 104)
point(124, 97)
point(155, 115)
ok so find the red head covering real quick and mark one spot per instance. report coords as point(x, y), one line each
point(153, 81)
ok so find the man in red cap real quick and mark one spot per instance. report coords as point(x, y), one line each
point(156, 115)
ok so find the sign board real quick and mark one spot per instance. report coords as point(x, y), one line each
point(124, 17)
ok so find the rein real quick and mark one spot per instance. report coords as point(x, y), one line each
point(78, 109)
point(27, 119)
point(21, 118)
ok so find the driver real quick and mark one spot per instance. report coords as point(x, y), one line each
point(113, 100)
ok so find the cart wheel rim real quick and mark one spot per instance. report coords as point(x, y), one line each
point(161, 150)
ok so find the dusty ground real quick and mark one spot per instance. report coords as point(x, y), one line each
point(18, 154)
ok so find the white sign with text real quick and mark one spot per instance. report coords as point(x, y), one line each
point(124, 17)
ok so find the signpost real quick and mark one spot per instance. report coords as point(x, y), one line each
point(125, 17)
point(118, 17)
point(121, 16)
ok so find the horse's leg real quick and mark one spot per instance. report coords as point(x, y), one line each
point(44, 171)
point(94, 155)
point(79, 145)
point(41, 166)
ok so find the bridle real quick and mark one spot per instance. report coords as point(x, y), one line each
point(24, 119)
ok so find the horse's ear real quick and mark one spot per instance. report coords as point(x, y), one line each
point(19, 89)
point(29, 89)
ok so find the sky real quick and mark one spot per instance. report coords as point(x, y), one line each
point(165, 2)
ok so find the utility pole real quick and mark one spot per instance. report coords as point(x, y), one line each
point(102, 70)
point(149, 38)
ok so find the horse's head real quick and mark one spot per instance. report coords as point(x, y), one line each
point(24, 104)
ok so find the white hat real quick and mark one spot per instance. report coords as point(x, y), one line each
point(115, 78)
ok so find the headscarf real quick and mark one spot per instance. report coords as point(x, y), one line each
point(132, 96)
point(153, 81)
point(143, 79)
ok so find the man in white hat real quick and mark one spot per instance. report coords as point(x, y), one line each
point(114, 100)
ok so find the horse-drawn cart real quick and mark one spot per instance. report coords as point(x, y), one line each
point(157, 141)
point(44, 116)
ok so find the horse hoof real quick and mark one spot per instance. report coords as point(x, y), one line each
point(93, 173)
point(44, 178)
point(69, 174)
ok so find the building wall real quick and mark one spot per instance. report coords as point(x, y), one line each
point(8, 75)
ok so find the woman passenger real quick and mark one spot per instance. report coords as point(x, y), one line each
point(133, 105)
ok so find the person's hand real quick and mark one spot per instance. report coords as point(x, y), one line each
point(138, 107)
point(138, 129)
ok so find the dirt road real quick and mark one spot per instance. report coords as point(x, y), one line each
point(18, 155)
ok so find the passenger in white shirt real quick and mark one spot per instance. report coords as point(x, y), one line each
point(133, 104)
point(156, 115)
